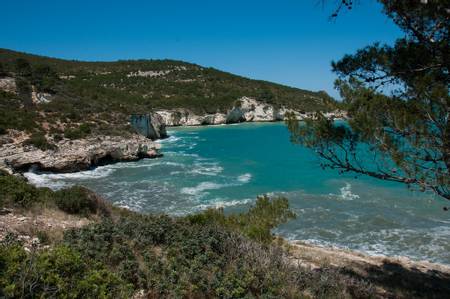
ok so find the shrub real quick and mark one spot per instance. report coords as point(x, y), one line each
point(57, 137)
point(17, 192)
point(256, 224)
point(13, 115)
point(43, 237)
point(55, 273)
point(175, 258)
point(39, 141)
point(77, 200)
point(82, 131)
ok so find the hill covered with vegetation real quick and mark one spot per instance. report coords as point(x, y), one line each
point(52, 93)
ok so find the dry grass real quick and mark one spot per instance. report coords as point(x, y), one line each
point(39, 222)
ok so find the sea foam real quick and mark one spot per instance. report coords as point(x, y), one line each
point(245, 178)
point(200, 188)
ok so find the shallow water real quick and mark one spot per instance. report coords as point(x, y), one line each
point(227, 166)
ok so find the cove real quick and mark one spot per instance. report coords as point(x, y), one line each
point(228, 166)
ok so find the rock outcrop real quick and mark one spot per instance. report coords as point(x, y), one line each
point(149, 125)
point(8, 84)
point(245, 110)
point(248, 109)
point(76, 155)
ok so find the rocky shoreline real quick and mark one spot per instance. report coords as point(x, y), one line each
point(76, 155)
point(244, 110)
point(82, 154)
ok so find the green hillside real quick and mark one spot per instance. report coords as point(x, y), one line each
point(105, 93)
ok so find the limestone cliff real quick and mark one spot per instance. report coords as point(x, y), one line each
point(76, 155)
point(149, 125)
point(245, 109)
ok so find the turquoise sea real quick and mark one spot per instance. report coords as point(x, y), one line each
point(228, 166)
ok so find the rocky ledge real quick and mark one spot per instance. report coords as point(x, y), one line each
point(76, 155)
point(244, 110)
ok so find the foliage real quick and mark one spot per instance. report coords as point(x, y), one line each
point(175, 258)
point(39, 141)
point(14, 116)
point(201, 256)
point(106, 93)
point(398, 100)
point(82, 131)
point(2, 70)
point(23, 67)
point(256, 224)
point(16, 191)
point(78, 200)
point(59, 272)
point(44, 78)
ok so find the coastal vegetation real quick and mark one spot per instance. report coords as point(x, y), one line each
point(70, 96)
point(104, 251)
point(398, 101)
point(121, 253)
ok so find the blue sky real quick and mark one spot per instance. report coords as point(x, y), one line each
point(285, 41)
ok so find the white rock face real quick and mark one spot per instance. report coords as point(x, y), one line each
point(149, 74)
point(76, 155)
point(40, 97)
point(245, 110)
point(248, 109)
point(8, 84)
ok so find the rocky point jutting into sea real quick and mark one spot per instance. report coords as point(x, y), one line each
point(74, 155)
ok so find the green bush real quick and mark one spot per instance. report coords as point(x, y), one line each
point(13, 115)
point(55, 273)
point(57, 137)
point(77, 200)
point(82, 131)
point(256, 224)
point(44, 78)
point(207, 255)
point(39, 141)
point(180, 258)
point(15, 191)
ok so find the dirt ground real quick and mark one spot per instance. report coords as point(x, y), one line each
point(32, 226)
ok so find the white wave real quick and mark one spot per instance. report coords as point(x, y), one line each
point(44, 181)
point(211, 169)
point(57, 180)
point(145, 164)
point(200, 188)
point(180, 153)
point(167, 163)
point(224, 203)
point(346, 193)
point(245, 178)
point(170, 139)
